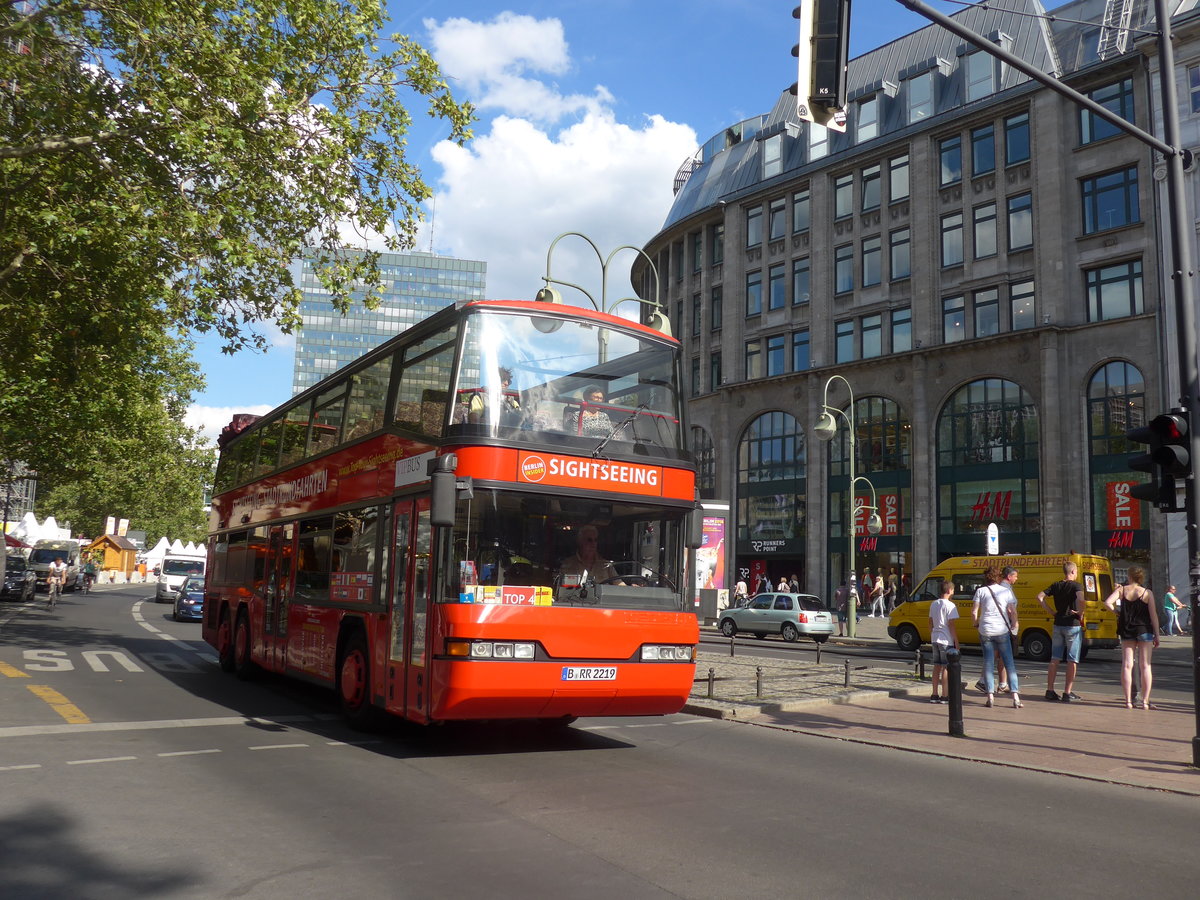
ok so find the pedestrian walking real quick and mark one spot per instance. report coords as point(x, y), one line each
point(783, 587)
point(893, 590)
point(943, 634)
point(1137, 627)
point(1068, 630)
point(739, 594)
point(874, 588)
point(841, 602)
point(995, 613)
point(1171, 607)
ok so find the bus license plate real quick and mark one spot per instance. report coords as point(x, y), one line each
point(589, 673)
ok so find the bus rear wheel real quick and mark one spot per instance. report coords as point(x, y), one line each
point(225, 643)
point(243, 666)
point(354, 684)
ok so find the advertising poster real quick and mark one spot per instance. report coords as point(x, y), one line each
point(710, 557)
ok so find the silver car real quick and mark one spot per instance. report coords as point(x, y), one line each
point(789, 615)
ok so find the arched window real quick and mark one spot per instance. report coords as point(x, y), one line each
point(883, 439)
point(771, 475)
point(987, 468)
point(1116, 403)
point(706, 467)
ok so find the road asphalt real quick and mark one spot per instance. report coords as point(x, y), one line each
point(1096, 739)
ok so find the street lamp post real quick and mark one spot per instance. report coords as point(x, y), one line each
point(825, 430)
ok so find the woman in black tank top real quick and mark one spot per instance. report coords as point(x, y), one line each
point(1137, 626)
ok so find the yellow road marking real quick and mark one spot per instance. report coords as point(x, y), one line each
point(12, 671)
point(60, 704)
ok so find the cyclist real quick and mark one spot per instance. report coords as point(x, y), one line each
point(56, 577)
point(89, 575)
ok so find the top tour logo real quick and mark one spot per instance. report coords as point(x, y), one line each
point(533, 468)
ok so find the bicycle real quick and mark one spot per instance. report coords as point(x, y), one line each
point(88, 579)
point(54, 589)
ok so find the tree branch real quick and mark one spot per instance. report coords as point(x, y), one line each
point(58, 143)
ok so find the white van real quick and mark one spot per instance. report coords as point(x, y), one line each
point(172, 572)
point(46, 552)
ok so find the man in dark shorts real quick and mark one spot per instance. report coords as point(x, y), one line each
point(1068, 630)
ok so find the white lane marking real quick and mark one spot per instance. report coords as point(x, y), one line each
point(189, 752)
point(205, 654)
point(691, 720)
point(351, 743)
point(108, 759)
point(278, 747)
point(15, 768)
point(37, 730)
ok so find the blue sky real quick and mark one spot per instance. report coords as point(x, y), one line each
point(586, 110)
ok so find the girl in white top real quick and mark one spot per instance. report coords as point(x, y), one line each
point(995, 615)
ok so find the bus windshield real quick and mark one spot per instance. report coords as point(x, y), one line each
point(575, 383)
point(533, 549)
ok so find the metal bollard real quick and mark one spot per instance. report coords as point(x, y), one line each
point(758, 681)
point(818, 654)
point(954, 682)
point(711, 680)
point(847, 673)
point(920, 665)
point(731, 646)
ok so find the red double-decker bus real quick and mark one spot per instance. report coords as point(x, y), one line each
point(487, 517)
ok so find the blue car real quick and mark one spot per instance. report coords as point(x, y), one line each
point(189, 600)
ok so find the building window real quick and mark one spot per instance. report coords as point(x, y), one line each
point(1020, 305)
point(697, 310)
point(1110, 200)
point(771, 470)
point(776, 354)
point(952, 240)
point(985, 230)
point(1016, 139)
point(954, 320)
point(778, 220)
point(1114, 291)
point(898, 178)
point(901, 330)
point(818, 142)
point(987, 312)
point(716, 243)
point(800, 351)
point(1116, 98)
point(753, 360)
point(777, 287)
point(844, 336)
point(981, 74)
point(872, 336)
point(872, 260)
point(1020, 222)
point(900, 244)
point(983, 150)
point(695, 375)
point(772, 155)
point(1194, 87)
point(714, 370)
point(716, 307)
point(754, 226)
point(870, 187)
point(843, 196)
point(843, 268)
point(950, 154)
point(868, 118)
point(1116, 404)
point(801, 281)
point(920, 97)
point(697, 250)
point(706, 463)
point(801, 211)
point(753, 293)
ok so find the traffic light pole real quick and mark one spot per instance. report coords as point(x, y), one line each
point(1180, 232)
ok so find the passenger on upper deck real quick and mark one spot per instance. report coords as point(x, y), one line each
point(479, 409)
point(590, 421)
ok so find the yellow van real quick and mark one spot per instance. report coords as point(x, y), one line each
point(909, 623)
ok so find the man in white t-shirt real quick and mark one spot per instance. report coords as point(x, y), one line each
point(943, 634)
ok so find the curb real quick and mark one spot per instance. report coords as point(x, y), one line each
point(734, 711)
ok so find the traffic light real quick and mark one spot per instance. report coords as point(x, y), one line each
point(1167, 459)
point(822, 52)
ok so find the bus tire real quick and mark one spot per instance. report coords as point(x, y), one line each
point(1036, 644)
point(243, 666)
point(354, 683)
point(908, 638)
point(225, 643)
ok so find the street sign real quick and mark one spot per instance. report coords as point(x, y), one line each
point(993, 540)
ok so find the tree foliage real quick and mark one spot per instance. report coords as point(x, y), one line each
point(162, 163)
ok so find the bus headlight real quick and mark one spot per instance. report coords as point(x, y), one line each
point(460, 648)
point(667, 653)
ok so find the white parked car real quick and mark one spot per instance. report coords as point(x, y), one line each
point(788, 615)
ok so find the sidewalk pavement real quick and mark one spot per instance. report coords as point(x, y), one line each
point(1096, 739)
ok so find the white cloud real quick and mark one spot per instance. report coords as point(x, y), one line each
point(211, 419)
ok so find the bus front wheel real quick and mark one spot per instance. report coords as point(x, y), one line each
point(354, 683)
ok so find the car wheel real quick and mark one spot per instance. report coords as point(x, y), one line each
point(908, 638)
point(354, 684)
point(225, 643)
point(790, 632)
point(1036, 644)
point(728, 627)
point(243, 666)
point(175, 616)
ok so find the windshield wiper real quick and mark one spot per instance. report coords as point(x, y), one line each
point(613, 433)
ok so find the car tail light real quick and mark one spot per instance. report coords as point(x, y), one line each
point(802, 618)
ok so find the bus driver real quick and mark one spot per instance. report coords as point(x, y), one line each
point(586, 560)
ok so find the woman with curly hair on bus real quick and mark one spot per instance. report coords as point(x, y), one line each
point(1137, 627)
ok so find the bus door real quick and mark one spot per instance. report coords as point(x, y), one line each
point(406, 684)
point(278, 595)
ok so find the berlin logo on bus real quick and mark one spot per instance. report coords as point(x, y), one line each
point(533, 468)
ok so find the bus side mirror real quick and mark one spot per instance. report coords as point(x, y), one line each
point(444, 487)
point(694, 537)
